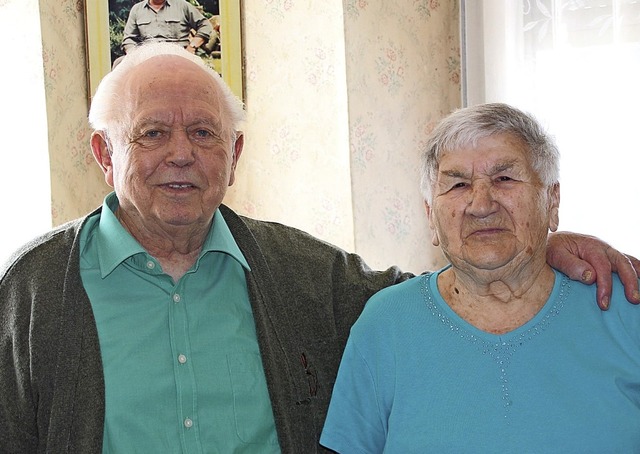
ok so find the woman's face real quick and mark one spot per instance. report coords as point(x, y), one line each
point(489, 207)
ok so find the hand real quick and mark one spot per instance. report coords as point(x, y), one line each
point(588, 259)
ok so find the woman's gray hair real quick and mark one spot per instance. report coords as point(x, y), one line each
point(465, 127)
point(106, 112)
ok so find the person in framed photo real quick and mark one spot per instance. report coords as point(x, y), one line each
point(175, 21)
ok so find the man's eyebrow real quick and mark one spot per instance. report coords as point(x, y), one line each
point(216, 124)
point(157, 121)
point(149, 121)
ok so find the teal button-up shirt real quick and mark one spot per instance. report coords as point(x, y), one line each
point(181, 362)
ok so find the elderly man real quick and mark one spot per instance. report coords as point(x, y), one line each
point(497, 352)
point(165, 322)
point(166, 20)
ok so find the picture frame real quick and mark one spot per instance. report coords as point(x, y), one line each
point(105, 21)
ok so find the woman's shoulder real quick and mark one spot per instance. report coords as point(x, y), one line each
point(399, 300)
point(580, 299)
point(588, 292)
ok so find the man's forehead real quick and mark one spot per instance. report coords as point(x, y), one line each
point(170, 86)
point(170, 75)
point(169, 66)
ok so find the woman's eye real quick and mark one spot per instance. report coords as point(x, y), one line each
point(504, 178)
point(459, 185)
point(203, 133)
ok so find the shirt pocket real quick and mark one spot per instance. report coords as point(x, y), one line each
point(251, 403)
point(173, 29)
point(145, 30)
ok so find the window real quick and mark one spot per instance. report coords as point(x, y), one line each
point(575, 64)
point(25, 188)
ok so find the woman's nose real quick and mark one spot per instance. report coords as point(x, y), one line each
point(482, 202)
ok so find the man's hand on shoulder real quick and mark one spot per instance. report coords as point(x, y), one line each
point(588, 259)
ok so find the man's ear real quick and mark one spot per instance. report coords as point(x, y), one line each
point(102, 153)
point(554, 207)
point(237, 151)
point(434, 234)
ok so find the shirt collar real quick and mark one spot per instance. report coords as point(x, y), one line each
point(220, 239)
point(166, 3)
point(116, 245)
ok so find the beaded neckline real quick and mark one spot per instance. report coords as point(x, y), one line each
point(500, 348)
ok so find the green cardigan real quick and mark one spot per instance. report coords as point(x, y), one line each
point(305, 296)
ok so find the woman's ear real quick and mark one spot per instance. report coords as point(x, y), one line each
point(554, 207)
point(434, 234)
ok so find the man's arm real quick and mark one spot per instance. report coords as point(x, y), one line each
point(195, 43)
point(131, 34)
point(588, 259)
point(198, 23)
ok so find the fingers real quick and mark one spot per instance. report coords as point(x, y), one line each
point(587, 259)
point(579, 270)
point(627, 269)
point(588, 276)
point(603, 281)
point(635, 263)
point(564, 254)
point(601, 261)
point(604, 285)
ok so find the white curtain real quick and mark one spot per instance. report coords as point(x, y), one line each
point(575, 64)
point(25, 186)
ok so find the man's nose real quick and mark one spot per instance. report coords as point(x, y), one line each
point(181, 150)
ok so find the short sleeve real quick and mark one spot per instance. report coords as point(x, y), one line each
point(354, 423)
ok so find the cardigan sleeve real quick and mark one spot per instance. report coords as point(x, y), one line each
point(17, 401)
point(51, 384)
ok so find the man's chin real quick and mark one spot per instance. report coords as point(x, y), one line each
point(180, 218)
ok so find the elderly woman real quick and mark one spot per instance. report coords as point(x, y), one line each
point(497, 352)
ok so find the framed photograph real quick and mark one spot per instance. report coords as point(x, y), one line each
point(105, 32)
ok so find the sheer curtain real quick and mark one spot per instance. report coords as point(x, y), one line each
point(25, 186)
point(576, 66)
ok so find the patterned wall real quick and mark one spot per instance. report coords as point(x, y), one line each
point(401, 63)
point(340, 96)
point(296, 164)
point(77, 184)
point(403, 67)
point(295, 167)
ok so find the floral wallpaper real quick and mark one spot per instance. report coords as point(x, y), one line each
point(340, 96)
point(403, 68)
point(77, 185)
point(295, 166)
point(398, 64)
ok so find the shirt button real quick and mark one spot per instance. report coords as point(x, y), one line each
point(188, 423)
point(182, 359)
point(176, 298)
point(151, 265)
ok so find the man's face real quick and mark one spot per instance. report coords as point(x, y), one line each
point(489, 207)
point(176, 157)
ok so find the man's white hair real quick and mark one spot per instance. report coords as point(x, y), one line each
point(106, 113)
